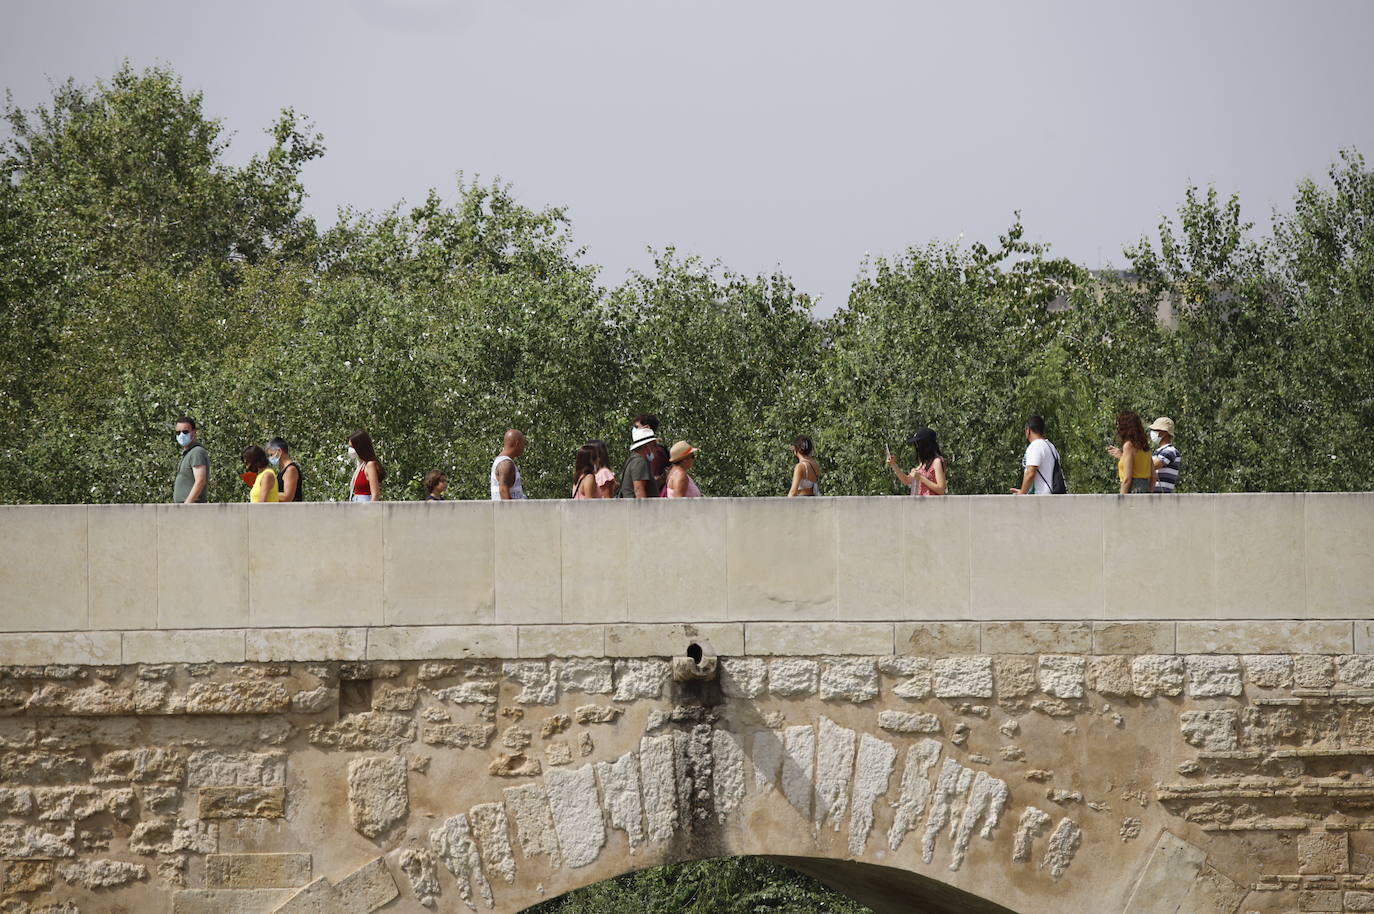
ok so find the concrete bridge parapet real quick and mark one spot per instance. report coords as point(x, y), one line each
point(468, 757)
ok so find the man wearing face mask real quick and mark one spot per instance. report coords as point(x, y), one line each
point(1167, 461)
point(193, 472)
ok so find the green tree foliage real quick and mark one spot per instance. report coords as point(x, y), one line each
point(142, 277)
point(731, 885)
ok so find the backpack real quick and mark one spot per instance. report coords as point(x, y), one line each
point(1059, 483)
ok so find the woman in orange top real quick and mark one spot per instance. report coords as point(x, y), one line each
point(1134, 466)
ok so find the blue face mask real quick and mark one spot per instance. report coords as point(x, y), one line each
point(183, 438)
point(274, 460)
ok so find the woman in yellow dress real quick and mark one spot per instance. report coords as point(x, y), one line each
point(1135, 467)
point(264, 484)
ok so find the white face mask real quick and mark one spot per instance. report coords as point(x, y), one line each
point(352, 453)
point(274, 460)
point(183, 438)
point(1154, 437)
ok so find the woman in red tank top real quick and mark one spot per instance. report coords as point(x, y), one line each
point(367, 479)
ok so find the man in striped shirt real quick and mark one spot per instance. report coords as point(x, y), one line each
point(1167, 461)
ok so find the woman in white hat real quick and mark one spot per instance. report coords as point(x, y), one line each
point(681, 458)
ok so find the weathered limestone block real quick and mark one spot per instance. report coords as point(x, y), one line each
point(513, 765)
point(458, 736)
point(1324, 854)
point(850, 679)
point(908, 722)
point(492, 830)
point(42, 768)
point(140, 766)
point(21, 841)
point(743, 677)
point(394, 698)
point(61, 804)
point(26, 876)
point(793, 677)
point(963, 677)
point(314, 701)
point(367, 888)
point(799, 766)
point(915, 792)
point(1313, 671)
point(1014, 675)
point(319, 897)
point(242, 802)
point(913, 671)
point(1211, 731)
point(636, 679)
point(834, 771)
point(1268, 671)
point(257, 871)
point(1358, 901)
point(953, 784)
point(1355, 670)
point(101, 874)
point(987, 799)
point(98, 698)
point(1061, 675)
point(16, 801)
point(1060, 849)
point(727, 772)
point(1211, 676)
point(516, 737)
point(587, 675)
point(658, 780)
point(216, 768)
point(577, 817)
point(423, 873)
point(872, 775)
point(557, 752)
point(528, 806)
point(1157, 674)
point(453, 843)
point(540, 683)
point(765, 758)
point(1109, 675)
point(243, 696)
point(173, 836)
point(597, 714)
point(230, 901)
point(378, 793)
point(1032, 824)
point(475, 692)
point(370, 730)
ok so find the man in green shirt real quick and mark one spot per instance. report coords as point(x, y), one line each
point(193, 472)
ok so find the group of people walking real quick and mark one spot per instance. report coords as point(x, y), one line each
point(1147, 461)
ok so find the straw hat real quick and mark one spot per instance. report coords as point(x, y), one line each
point(1163, 424)
point(681, 451)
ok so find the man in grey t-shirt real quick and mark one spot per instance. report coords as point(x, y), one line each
point(193, 472)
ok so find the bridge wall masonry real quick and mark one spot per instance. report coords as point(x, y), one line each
point(458, 739)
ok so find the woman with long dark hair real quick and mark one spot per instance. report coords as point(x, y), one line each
point(806, 475)
point(605, 476)
point(1134, 465)
point(930, 476)
point(584, 473)
point(367, 478)
point(264, 484)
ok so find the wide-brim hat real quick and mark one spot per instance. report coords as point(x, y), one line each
point(641, 436)
point(1163, 424)
point(681, 451)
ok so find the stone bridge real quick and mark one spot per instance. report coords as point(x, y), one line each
point(982, 704)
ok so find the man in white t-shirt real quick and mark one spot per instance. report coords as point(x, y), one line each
point(1039, 462)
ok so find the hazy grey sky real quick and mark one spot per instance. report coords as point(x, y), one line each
point(766, 133)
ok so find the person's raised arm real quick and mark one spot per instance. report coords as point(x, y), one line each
point(905, 478)
point(505, 478)
point(374, 480)
point(202, 474)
